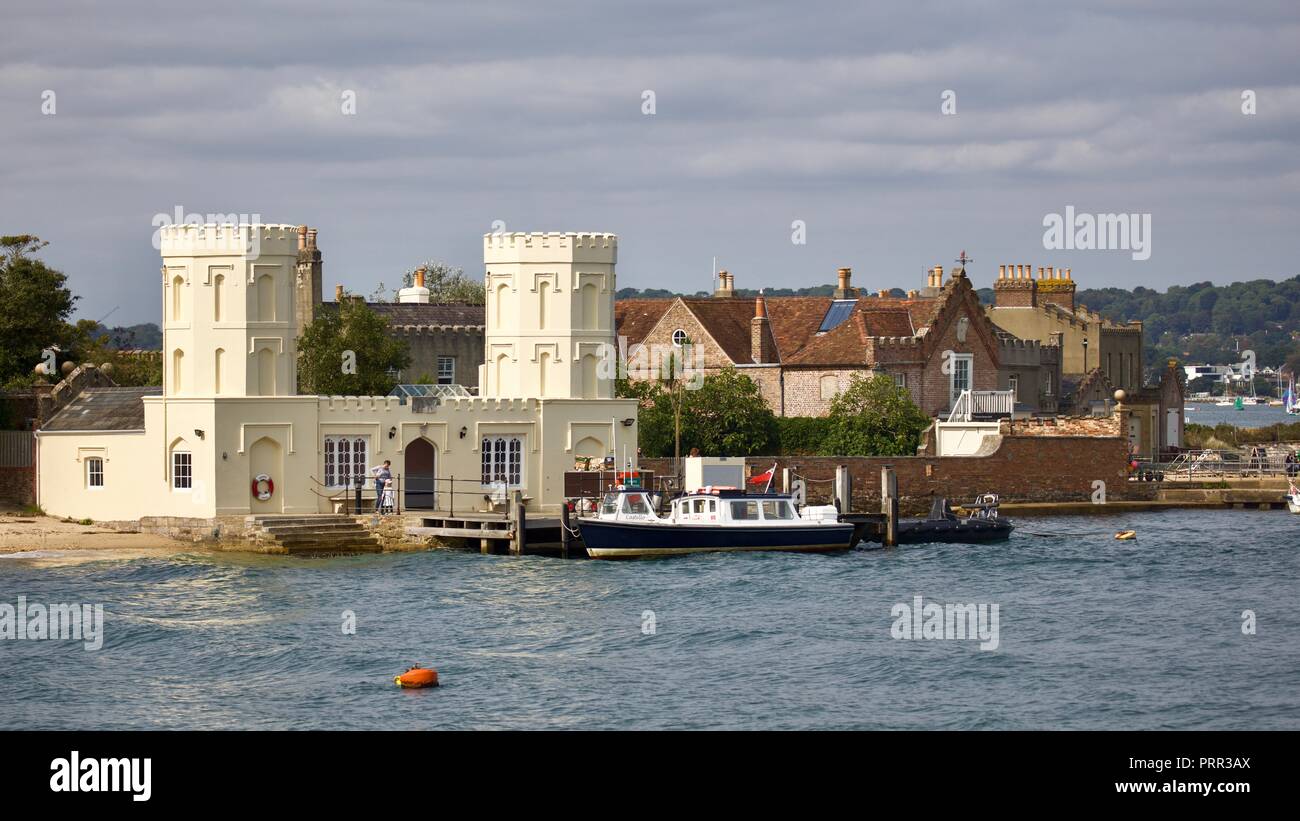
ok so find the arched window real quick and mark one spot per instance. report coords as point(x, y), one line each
point(590, 309)
point(266, 298)
point(218, 285)
point(502, 304)
point(589, 377)
point(216, 370)
point(503, 460)
point(502, 374)
point(543, 291)
point(178, 283)
point(266, 372)
point(178, 367)
point(543, 365)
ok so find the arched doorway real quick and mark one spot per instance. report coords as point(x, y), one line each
point(420, 491)
point(264, 457)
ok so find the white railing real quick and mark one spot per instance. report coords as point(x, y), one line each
point(982, 403)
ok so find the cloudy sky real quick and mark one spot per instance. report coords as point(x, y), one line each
point(765, 113)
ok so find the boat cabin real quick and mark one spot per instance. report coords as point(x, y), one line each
point(701, 507)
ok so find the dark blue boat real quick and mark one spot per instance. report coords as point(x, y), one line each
point(628, 527)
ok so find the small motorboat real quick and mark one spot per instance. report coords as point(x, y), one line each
point(626, 525)
point(982, 524)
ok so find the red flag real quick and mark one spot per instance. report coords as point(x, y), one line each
point(761, 477)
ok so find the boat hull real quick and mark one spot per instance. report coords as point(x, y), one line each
point(618, 540)
point(965, 531)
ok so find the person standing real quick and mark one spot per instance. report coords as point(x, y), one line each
point(383, 474)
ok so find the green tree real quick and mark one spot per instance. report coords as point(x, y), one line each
point(34, 307)
point(91, 343)
point(724, 416)
point(352, 328)
point(874, 417)
point(447, 284)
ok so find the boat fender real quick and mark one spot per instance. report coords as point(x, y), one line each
point(1126, 535)
point(416, 677)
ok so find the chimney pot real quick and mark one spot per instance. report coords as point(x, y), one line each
point(302, 237)
point(311, 237)
point(760, 307)
point(419, 277)
point(338, 293)
point(882, 293)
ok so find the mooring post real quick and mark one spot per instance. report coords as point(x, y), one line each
point(565, 535)
point(843, 489)
point(520, 541)
point(889, 504)
point(451, 496)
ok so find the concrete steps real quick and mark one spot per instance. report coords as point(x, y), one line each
point(322, 533)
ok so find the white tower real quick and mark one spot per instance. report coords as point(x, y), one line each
point(550, 315)
point(228, 310)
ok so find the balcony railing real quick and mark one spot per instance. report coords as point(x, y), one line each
point(971, 404)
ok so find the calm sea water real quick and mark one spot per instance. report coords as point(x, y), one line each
point(1250, 416)
point(1095, 633)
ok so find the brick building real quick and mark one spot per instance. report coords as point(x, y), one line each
point(803, 351)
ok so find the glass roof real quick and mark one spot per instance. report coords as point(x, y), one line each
point(441, 391)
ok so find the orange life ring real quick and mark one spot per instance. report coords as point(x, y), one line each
point(417, 677)
point(260, 494)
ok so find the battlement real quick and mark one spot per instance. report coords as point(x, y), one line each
point(553, 246)
point(228, 239)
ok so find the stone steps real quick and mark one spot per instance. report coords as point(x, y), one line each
point(323, 533)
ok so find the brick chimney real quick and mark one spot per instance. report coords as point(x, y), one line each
point(726, 285)
point(762, 344)
point(1057, 287)
point(1015, 287)
point(844, 290)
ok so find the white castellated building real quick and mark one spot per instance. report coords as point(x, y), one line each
point(227, 424)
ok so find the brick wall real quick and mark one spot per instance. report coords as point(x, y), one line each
point(18, 485)
point(1059, 468)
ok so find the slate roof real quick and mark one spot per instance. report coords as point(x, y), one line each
point(432, 313)
point(103, 409)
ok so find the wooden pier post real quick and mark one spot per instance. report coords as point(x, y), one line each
point(520, 542)
point(843, 489)
point(565, 535)
point(889, 504)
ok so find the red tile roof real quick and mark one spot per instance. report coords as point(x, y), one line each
point(795, 323)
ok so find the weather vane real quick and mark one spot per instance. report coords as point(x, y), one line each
point(963, 259)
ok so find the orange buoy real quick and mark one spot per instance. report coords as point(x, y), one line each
point(1126, 535)
point(417, 677)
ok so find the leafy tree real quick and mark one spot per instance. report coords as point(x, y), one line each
point(34, 307)
point(351, 327)
point(874, 417)
point(92, 343)
point(727, 416)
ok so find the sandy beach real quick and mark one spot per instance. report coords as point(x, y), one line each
point(20, 532)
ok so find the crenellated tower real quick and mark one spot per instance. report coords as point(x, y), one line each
point(229, 306)
point(550, 315)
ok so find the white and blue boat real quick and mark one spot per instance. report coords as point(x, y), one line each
point(626, 525)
